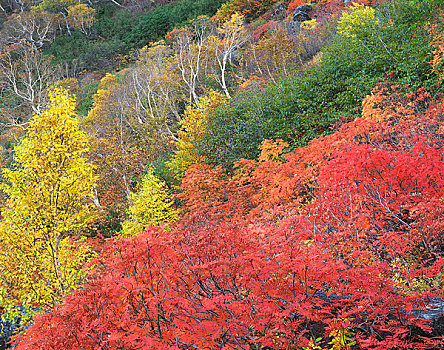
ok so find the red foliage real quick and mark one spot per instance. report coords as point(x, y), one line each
point(266, 16)
point(234, 285)
point(263, 29)
point(328, 9)
point(294, 4)
point(357, 227)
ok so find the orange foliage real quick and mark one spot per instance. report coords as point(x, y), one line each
point(391, 116)
point(438, 45)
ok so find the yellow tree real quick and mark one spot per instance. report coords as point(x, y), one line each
point(81, 17)
point(193, 128)
point(151, 205)
point(103, 97)
point(123, 140)
point(48, 192)
point(358, 18)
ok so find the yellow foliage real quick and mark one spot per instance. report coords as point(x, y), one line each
point(342, 337)
point(100, 102)
point(102, 98)
point(233, 26)
point(108, 82)
point(438, 46)
point(81, 17)
point(358, 17)
point(48, 190)
point(250, 8)
point(279, 53)
point(160, 66)
point(273, 150)
point(152, 205)
point(401, 269)
point(309, 25)
point(193, 128)
point(52, 4)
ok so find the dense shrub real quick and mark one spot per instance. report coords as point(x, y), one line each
point(249, 8)
point(280, 111)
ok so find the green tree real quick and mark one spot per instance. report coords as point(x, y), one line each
point(48, 192)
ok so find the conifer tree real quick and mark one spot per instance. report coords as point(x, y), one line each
point(151, 206)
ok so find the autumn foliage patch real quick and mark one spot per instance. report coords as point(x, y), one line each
point(336, 245)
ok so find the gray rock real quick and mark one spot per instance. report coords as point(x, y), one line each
point(304, 8)
point(7, 329)
point(432, 309)
point(293, 27)
point(280, 12)
point(301, 13)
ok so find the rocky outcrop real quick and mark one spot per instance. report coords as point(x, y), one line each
point(429, 309)
point(302, 13)
point(432, 310)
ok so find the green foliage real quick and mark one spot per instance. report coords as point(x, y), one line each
point(91, 54)
point(304, 105)
point(411, 11)
point(162, 170)
point(85, 98)
point(118, 31)
point(288, 111)
point(155, 24)
point(113, 22)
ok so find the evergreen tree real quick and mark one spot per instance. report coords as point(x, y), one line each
point(151, 206)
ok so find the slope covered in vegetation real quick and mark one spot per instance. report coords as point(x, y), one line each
point(237, 174)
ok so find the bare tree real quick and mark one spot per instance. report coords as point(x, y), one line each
point(190, 48)
point(36, 27)
point(25, 74)
point(232, 34)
